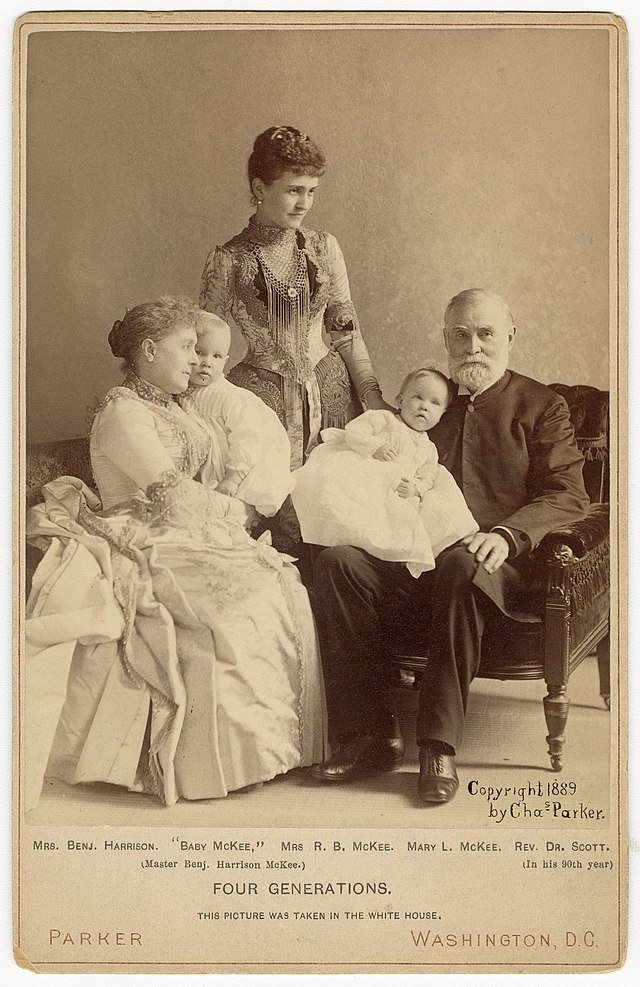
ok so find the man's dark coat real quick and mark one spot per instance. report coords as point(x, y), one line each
point(514, 456)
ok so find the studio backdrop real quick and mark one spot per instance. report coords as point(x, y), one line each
point(456, 159)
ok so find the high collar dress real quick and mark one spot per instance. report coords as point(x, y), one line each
point(168, 652)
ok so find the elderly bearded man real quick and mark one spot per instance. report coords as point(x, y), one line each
point(508, 442)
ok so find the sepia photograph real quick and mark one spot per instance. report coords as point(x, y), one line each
point(320, 502)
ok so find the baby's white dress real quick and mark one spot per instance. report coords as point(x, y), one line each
point(343, 496)
point(250, 439)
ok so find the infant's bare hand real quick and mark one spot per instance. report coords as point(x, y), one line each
point(228, 487)
point(385, 453)
point(406, 488)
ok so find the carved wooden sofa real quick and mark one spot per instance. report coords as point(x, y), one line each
point(569, 573)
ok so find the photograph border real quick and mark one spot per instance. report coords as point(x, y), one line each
point(618, 340)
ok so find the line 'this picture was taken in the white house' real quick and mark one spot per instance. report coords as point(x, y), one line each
point(320, 482)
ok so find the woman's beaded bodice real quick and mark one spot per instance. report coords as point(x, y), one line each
point(282, 288)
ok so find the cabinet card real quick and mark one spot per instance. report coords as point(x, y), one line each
point(476, 150)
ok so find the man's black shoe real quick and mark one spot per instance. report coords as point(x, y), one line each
point(360, 756)
point(438, 781)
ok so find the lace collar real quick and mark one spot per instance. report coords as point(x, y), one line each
point(148, 392)
point(191, 389)
point(263, 236)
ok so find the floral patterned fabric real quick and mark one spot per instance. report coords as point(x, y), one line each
point(47, 460)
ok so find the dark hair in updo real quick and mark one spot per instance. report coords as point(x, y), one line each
point(281, 149)
point(151, 320)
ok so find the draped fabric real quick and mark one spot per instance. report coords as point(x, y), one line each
point(168, 652)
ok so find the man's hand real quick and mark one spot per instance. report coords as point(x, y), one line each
point(489, 548)
point(385, 453)
point(406, 488)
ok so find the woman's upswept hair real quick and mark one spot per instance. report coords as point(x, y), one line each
point(281, 149)
point(151, 320)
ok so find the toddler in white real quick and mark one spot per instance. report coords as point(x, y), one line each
point(251, 457)
point(377, 483)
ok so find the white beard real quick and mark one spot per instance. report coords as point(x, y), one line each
point(475, 375)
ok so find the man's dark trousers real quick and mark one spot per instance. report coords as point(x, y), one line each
point(355, 592)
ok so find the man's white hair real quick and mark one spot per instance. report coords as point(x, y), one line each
point(473, 295)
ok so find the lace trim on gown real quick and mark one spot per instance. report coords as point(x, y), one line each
point(194, 441)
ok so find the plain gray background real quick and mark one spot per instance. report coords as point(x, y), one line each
point(456, 159)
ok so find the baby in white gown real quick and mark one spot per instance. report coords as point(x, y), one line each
point(251, 457)
point(377, 483)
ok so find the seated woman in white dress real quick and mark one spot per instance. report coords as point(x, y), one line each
point(251, 458)
point(169, 652)
point(377, 483)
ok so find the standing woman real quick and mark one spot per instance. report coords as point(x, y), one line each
point(282, 286)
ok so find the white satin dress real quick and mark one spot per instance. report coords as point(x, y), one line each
point(168, 652)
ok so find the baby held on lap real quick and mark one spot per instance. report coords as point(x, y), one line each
point(377, 483)
point(250, 458)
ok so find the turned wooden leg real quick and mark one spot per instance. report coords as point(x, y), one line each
point(604, 669)
point(556, 711)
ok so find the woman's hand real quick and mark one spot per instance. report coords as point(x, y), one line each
point(385, 453)
point(375, 402)
point(406, 488)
